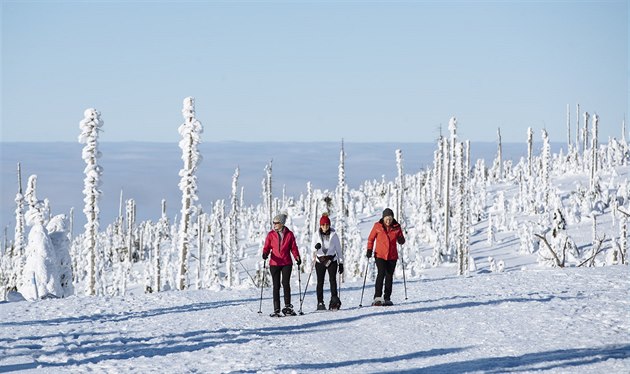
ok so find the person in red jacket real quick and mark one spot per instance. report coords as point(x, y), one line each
point(382, 242)
point(280, 244)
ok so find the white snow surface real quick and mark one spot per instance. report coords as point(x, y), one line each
point(574, 320)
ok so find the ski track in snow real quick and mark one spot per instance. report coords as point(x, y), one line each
point(570, 320)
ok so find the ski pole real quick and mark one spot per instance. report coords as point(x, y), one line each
point(364, 278)
point(300, 288)
point(402, 260)
point(262, 283)
point(339, 278)
point(306, 287)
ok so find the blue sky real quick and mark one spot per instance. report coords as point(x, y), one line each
point(365, 71)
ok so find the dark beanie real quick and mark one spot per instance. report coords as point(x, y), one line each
point(388, 212)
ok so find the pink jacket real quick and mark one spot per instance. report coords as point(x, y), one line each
point(280, 251)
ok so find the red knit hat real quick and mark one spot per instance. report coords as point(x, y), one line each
point(324, 220)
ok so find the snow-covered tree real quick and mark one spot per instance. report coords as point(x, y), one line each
point(40, 276)
point(463, 213)
point(233, 245)
point(341, 224)
point(190, 131)
point(59, 234)
point(15, 261)
point(90, 127)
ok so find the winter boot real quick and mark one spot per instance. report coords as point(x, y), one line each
point(276, 313)
point(378, 301)
point(321, 306)
point(335, 303)
point(288, 310)
point(388, 303)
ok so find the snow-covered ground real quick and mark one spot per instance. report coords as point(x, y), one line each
point(566, 321)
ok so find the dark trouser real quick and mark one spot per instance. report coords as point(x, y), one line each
point(285, 272)
point(332, 276)
point(385, 272)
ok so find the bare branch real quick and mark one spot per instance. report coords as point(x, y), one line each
point(597, 251)
point(555, 256)
point(624, 212)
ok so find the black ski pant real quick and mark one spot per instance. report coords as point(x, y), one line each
point(385, 272)
point(321, 270)
point(281, 274)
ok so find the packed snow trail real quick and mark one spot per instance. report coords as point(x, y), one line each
point(560, 320)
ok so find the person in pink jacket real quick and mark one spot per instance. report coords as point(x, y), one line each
point(382, 242)
point(279, 245)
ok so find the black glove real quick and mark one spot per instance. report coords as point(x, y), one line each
point(369, 253)
point(265, 255)
point(340, 268)
point(298, 261)
point(401, 240)
point(318, 245)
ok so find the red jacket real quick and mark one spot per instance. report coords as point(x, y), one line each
point(280, 251)
point(385, 240)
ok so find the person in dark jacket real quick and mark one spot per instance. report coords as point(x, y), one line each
point(279, 245)
point(328, 259)
point(382, 243)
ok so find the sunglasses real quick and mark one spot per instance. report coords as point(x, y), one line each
point(276, 223)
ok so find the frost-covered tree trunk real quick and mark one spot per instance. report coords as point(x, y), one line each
point(449, 163)
point(500, 154)
point(623, 242)
point(190, 131)
point(90, 127)
point(232, 247)
point(446, 203)
point(462, 212)
point(267, 192)
point(400, 187)
point(530, 151)
point(594, 159)
point(546, 169)
point(342, 201)
point(131, 222)
point(308, 219)
point(585, 138)
point(163, 229)
point(568, 127)
point(201, 224)
point(577, 129)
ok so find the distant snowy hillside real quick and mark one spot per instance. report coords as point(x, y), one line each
point(147, 172)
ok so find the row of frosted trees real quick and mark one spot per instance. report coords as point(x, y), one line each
point(439, 209)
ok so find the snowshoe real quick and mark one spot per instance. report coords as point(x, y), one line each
point(288, 311)
point(378, 301)
point(321, 306)
point(334, 304)
point(276, 314)
point(388, 303)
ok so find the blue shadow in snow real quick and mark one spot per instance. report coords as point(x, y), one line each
point(567, 360)
point(120, 317)
point(370, 361)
